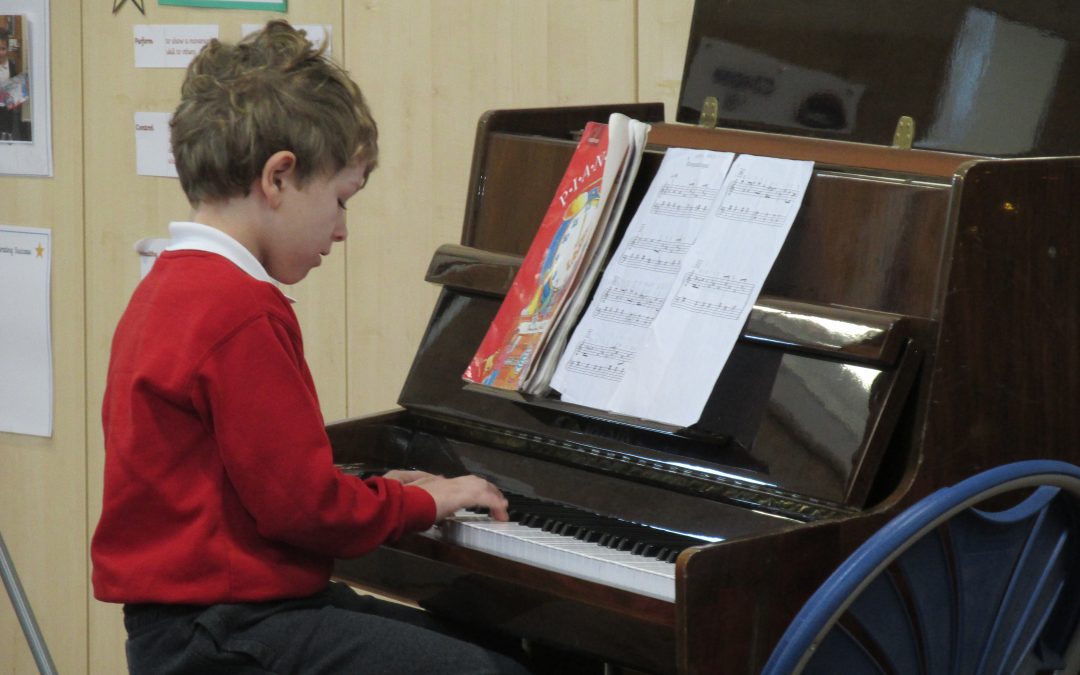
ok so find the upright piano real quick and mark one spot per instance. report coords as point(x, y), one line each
point(919, 325)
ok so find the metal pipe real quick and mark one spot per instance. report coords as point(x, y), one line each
point(30, 628)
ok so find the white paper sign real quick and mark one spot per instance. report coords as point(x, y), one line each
point(153, 151)
point(170, 45)
point(25, 341)
point(316, 33)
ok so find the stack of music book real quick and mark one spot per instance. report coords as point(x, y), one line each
point(523, 343)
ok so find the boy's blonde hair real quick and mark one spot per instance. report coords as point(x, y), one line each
point(273, 91)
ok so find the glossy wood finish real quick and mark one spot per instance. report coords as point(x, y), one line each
point(782, 430)
point(734, 601)
point(498, 172)
point(474, 589)
point(870, 239)
point(940, 165)
point(1006, 380)
point(974, 274)
point(827, 330)
point(1003, 386)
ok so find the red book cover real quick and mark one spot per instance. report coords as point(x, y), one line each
point(546, 278)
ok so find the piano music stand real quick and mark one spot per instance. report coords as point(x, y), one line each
point(19, 602)
point(948, 588)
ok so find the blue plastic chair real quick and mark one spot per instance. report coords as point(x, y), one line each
point(948, 589)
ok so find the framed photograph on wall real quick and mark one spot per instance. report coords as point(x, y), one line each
point(25, 114)
point(16, 120)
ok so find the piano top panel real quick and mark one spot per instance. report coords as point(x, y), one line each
point(869, 238)
point(984, 77)
point(929, 164)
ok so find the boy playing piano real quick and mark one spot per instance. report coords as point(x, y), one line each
point(222, 509)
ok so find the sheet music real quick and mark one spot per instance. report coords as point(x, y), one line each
point(640, 275)
point(675, 297)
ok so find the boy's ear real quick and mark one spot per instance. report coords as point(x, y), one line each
point(278, 171)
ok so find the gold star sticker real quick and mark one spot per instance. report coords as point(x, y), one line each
point(40, 251)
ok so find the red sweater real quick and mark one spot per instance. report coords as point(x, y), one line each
point(219, 481)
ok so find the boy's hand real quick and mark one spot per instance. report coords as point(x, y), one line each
point(454, 494)
point(407, 476)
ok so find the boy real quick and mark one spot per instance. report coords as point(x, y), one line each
point(222, 509)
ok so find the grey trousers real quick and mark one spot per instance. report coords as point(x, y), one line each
point(335, 631)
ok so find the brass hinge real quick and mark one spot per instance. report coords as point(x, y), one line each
point(710, 113)
point(904, 134)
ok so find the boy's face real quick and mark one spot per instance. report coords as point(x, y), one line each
point(312, 219)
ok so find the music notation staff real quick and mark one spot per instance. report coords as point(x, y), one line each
point(659, 254)
point(759, 188)
point(624, 316)
point(604, 361)
point(676, 245)
point(687, 200)
point(751, 199)
point(718, 296)
point(749, 215)
point(717, 309)
point(626, 295)
point(645, 261)
point(678, 210)
point(690, 191)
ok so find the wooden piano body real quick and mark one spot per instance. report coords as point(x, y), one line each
point(920, 324)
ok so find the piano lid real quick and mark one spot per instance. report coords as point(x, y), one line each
point(994, 77)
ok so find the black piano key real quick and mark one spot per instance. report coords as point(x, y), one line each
point(590, 536)
point(571, 522)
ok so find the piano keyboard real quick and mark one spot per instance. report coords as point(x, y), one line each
point(617, 553)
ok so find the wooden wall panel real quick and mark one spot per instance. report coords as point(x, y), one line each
point(663, 29)
point(43, 480)
point(430, 69)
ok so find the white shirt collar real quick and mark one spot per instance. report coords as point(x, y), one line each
point(189, 236)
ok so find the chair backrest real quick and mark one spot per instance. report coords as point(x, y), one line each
point(946, 588)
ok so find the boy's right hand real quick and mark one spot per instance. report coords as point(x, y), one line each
point(453, 494)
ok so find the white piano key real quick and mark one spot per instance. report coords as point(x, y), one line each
point(567, 555)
